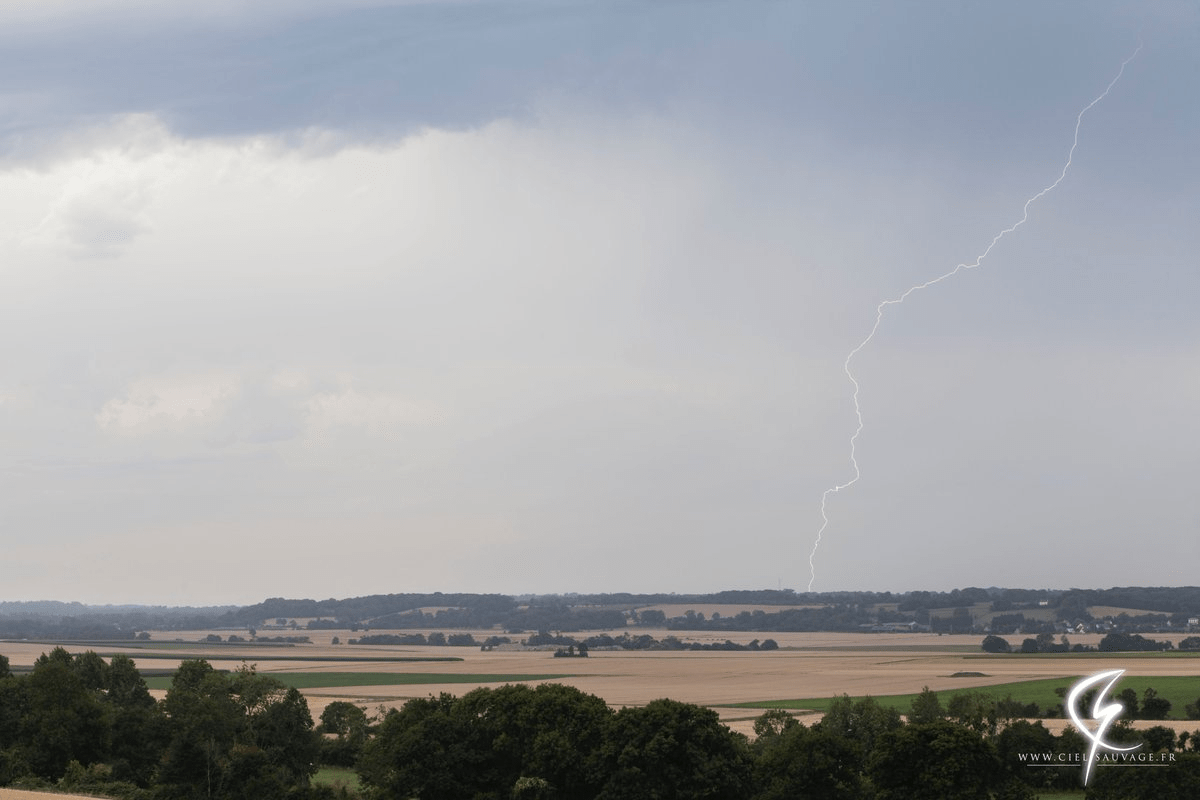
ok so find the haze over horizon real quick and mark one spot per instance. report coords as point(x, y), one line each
point(394, 296)
point(6, 610)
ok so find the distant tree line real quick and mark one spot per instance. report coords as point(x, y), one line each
point(832, 611)
point(63, 628)
point(642, 642)
point(1181, 600)
point(433, 639)
point(625, 641)
point(825, 618)
point(1115, 642)
point(463, 610)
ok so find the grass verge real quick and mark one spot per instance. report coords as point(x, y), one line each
point(336, 776)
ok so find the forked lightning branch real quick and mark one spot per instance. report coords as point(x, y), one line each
point(882, 308)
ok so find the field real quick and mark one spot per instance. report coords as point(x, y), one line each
point(808, 669)
point(323, 680)
point(335, 777)
point(1180, 691)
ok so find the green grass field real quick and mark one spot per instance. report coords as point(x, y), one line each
point(1181, 691)
point(320, 680)
point(336, 776)
point(1124, 654)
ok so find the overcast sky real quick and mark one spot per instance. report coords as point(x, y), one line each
point(323, 299)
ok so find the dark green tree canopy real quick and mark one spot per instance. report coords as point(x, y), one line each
point(933, 761)
point(672, 749)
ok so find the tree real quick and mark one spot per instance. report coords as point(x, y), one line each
point(1070, 744)
point(933, 761)
point(488, 742)
point(551, 731)
point(1153, 706)
point(242, 735)
point(668, 749)
point(1159, 739)
point(1016, 742)
point(996, 644)
point(1116, 642)
point(1013, 789)
point(92, 671)
point(1129, 699)
point(527, 788)
point(282, 730)
point(343, 719)
point(1179, 781)
point(975, 710)
point(203, 722)
point(1008, 709)
point(772, 723)
point(138, 725)
point(863, 721)
point(652, 618)
point(348, 723)
point(800, 763)
point(926, 707)
point(14, 702)
point(423, 750)
point(63, 719)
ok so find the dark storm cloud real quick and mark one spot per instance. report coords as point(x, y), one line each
point(394, 69)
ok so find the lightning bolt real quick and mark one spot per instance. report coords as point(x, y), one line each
point(882, 307)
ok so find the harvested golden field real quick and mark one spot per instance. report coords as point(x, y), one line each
point(806, 665)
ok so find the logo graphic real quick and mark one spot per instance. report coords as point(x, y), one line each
point(1104, 713)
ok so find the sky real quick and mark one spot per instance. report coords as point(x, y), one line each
point(326, 299)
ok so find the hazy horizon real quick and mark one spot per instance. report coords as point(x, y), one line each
point(322, 598)
point(387, 296)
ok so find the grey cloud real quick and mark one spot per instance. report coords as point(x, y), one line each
point(392, 69)
point(516, 283)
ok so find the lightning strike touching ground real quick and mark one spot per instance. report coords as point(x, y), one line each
point(879, 310)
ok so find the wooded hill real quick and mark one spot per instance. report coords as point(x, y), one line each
point(1147, 608)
